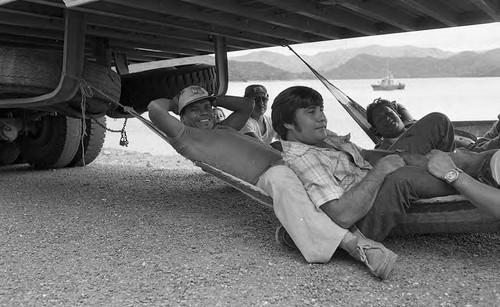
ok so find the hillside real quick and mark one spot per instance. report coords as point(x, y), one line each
point(329, 60)
point(464, 64)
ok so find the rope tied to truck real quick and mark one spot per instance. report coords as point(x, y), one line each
point(86, 90)
point(131, 111)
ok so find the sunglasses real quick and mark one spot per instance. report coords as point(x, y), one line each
point(259, 98)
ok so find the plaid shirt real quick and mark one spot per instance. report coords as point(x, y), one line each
point(326, 173)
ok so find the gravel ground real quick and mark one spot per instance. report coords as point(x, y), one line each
point(139, 230)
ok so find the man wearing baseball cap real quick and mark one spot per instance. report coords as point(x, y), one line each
point(197, 137)
point(484, 194)
point(259, 125)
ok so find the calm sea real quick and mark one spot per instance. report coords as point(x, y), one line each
point(459, 98)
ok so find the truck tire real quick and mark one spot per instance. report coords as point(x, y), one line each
point(9, 152)
point(28, 72)
point(53, 144)
point(139, 89)
point(92, 142)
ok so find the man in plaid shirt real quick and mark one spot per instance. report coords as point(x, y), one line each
point(368, 188)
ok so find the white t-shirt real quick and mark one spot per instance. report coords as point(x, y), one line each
point(253, 126)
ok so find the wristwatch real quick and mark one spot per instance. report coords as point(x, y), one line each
point(452, 175)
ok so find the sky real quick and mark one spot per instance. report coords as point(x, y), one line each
point(455, 39)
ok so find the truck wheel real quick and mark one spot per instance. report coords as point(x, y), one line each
point(92, 142)
point(27, 72)
point(139, 89)
point(9, 152)
point(52, 143)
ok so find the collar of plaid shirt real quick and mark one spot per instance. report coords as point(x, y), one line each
point(334, 141)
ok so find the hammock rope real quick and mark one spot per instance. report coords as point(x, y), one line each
point(357, 112)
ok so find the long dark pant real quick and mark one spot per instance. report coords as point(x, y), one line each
point(433, 131)
point(409, 183)
point(399, 189)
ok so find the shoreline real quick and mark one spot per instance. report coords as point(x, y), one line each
point(113, 156)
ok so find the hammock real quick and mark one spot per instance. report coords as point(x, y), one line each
point(448, 214)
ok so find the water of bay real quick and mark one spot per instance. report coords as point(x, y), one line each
point(459, 98)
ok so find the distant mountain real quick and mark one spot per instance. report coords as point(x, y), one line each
point(244, 71)
point(464, 64)
point(329, 60)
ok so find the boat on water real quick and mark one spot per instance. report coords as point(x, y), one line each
point(388, 84)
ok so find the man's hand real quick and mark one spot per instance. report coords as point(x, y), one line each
point(438, 163)
point(174, 104)
point(388, 164)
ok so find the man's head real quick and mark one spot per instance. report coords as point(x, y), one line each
point(383, 116)
point(260, 97)
point(297, 115)
point(195, 107)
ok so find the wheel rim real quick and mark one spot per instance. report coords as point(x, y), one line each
point(53, 143)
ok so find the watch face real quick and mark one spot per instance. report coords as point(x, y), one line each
point(451, 175)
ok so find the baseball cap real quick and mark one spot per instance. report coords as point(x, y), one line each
point(255, 90)
point(193, 94)
point(495, 166)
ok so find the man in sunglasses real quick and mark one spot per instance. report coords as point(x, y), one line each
point(259, 125)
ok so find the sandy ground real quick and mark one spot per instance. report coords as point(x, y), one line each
point(139, 230)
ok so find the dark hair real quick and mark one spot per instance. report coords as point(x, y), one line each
point(379, 102)
point(287, 102)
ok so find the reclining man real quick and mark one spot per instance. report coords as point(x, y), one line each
point(195, 137)
point(391, 120)
point(391, 125)
point(369, 188)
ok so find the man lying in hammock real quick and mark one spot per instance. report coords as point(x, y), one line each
point(388, 120)
point(391, 121)
point(369, 188)
point(197, 138)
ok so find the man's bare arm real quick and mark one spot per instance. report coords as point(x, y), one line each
point(159, 113)
point(485, 197)
point(242, 107)
point(356, 202)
